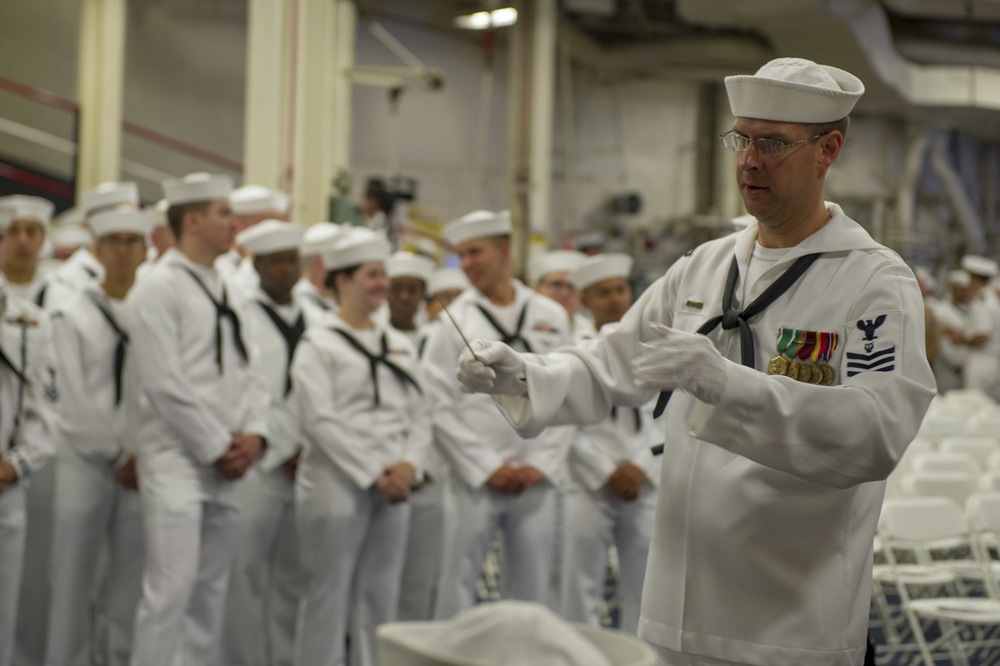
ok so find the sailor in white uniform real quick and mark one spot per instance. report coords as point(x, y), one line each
point(982, 369)
point(774, 471)
point(204, 427)
point(25, 239)
point(952, 313)
point(251, 205)
point(96, 499)
point(548, 274)
point(264, 585)
point(409, 275)
point(311, 290)
point(446, 284)
point(611, 497)
point(500, 481)
point(27, 434)
point(368, 426)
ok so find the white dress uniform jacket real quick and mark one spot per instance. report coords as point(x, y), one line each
point(201, 392)
point(264, 592)
point(81, 270)
point(982, 370)
point(352, 540)
point(27, 438)
point(316, 305)
point(762, 549)
point(476, 441)
point(99, 418)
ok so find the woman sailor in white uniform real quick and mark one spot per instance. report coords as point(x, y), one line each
point(368, 433)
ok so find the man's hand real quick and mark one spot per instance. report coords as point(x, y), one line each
point(506, 480)
point(291, 465)
point(495, 369)
point(625, 482)
point(8, 475)
point(395, 482)
point(243, 452)
point(529, 476)
point(127, 476)
point(678, 360)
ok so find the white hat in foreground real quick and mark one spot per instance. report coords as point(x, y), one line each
point(26, 207)
point(109, 194)
point(794, 90)
point(555, 261)
point(271, 236)
point(478, 224)
point(508, 632)
point(408, 264)
point(258, 200)
point(446, 279)
point(355, 247)
point(196, 188)
point(980, 266)
point(320, 237)
point(601, 267)
point(122, 221)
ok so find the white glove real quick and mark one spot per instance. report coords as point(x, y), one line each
point(499, 369)
point(677, 360)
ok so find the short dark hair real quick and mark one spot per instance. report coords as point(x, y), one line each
point(175, 214)
point(841, 126)
point(331, 276)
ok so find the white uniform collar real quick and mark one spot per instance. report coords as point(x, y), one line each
point(521, 295)
point(175, 257)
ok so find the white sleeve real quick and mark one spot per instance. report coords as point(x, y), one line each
point(154, 339)
point(327, 427)
point(35, 443)
point(468, 453)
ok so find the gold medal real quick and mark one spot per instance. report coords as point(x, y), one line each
point(777, 366)
point(805, 373)
point(792, 370)
point(828, 374)
point(817, 375)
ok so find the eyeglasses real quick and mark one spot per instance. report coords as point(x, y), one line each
point(739, 143)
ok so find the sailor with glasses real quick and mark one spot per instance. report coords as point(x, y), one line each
point(788, 361)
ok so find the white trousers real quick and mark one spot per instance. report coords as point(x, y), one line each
point(423, 553)
point(352, 544)
point(13, 527)
point(671, 658)
point(33, 605)
point(264, 585)
point(93, 513)
point(593, 522)
point(189, 549)
point(472, 517)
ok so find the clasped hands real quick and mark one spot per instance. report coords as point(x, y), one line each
point(244, 450)
point(671, 360)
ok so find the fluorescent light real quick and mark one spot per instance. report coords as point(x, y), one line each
point(498, 18)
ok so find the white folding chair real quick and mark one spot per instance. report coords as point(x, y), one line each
point(956, 486)
point(945, 423)
point(986, 422)
point(945, 462)
point(971, 397)
point(915, 523)
point(989, 482)
point(978, 447)
point(993, 464)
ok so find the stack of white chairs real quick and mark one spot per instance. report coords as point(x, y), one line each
point(942, 618)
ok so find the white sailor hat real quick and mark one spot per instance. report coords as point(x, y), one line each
point(27, 207)
point(69, 234)
point(258, 200)
point(196, 188)
point(159, 212)
point(508, 632)
point(271, 236)
point(959, 278)
point(445, 279)
point(794, 90)
point(6, 217)
point(356, 246)
point(320, 237)
point(122, 221)
point(592, 240)
point(478, 224)
point(408, 264)
point(109, 194)
point(555, 261)
point(979, 266)
point(601, 267)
